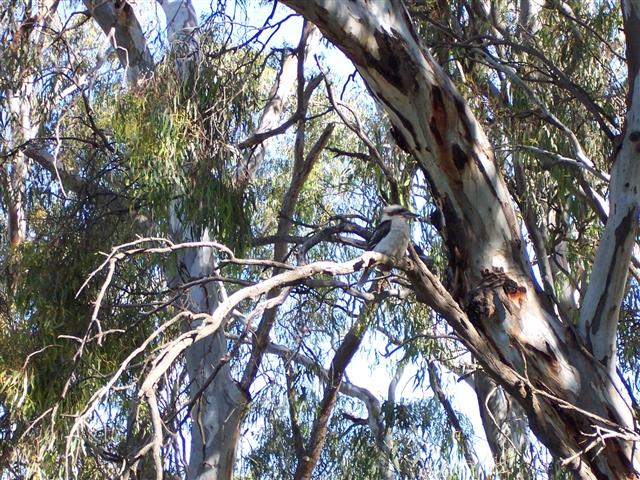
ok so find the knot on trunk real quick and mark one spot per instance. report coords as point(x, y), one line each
point(481, 300)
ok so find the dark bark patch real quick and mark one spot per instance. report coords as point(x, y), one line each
point(438, 121)
point(516, 249)
point(437, 98)
point(485, 175)
point(399, 138)
point(516, 293)
point(625, 226)
point(548, 355)
point(460, 158)
point(406, 124)
point(552, 358)
point(433, 126)
point(395, 64)
point(388, 65)
point(468, 130)
point(634, 136)
point(456, 241)
point(510, 287)
point(480, 305)
point(620, 233)
point(436, 219)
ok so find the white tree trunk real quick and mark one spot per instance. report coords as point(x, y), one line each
point(504, 422)
point(219, 403)
point(119, 23)
point(601, 306)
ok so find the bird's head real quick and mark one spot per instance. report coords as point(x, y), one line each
point(394, 211)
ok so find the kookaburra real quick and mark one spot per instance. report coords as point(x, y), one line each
point(391, 236)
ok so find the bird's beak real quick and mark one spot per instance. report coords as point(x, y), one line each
point(410, 215)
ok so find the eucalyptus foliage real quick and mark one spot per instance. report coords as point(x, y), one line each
point(166, 148)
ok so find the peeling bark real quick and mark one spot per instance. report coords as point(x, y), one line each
point(495, 308)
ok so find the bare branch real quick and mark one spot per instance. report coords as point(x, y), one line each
point(157, 441)
point(339, 363)
point(355, 126)
point(246, 168)
point(462, 439)
point(211, 323)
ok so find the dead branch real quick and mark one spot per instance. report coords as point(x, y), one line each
point(210, 323)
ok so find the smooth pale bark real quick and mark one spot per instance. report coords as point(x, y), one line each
point(504, 423)
point(23, 122)
point(271, 115)
point(23, 129)
point(601, 307)
point(119, 23)
point(513, 330)
point(218, 412)
point(182, 22)
point(224, 403)
point(269, 119)
point(219, 404)
point(528, 15)
point(14, 179)
point(180, 17)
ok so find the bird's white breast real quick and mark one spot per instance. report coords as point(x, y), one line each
point(395, 243)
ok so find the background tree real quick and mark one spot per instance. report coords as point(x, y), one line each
point(234, 183)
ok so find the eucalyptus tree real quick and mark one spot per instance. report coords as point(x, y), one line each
point(224, 326)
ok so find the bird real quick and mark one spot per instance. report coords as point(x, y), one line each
point(391, 236)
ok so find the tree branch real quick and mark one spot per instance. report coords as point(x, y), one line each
point(461, 437)
point(211, 323)
point(119, 23)
point(341, 360)
point(600, 310)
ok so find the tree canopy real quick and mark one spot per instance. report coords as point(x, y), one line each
point(187, 195)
